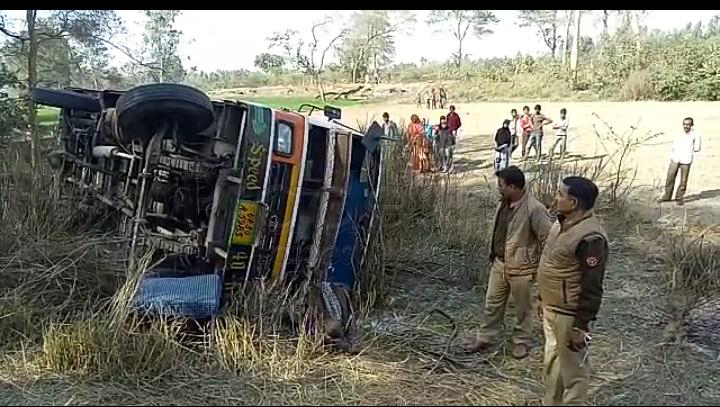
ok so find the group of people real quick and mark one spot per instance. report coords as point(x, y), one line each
point(565, 250)
point(432, 98)
point(431, 146)
point(528, 128)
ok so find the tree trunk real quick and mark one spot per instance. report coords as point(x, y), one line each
point(353, 72)
point(638, 44)
point(566, 49)
point(554, 41)
point(575, 48)
point(319, 86)
point(32, 83)
point(376, 74)
point(605, 21)
point(458, 62)
point(605, 36)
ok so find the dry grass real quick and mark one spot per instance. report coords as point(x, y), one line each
point(68, 340)
point(690, 279)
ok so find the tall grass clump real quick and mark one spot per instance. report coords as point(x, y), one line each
point(429, 222)
point(54, 261)
point(97, 347)
point(269, 328)
point(690, 278)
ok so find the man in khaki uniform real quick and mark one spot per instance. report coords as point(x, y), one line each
point(520, 229)
point(570, 282)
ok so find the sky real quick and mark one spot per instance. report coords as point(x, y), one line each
point(230, 39)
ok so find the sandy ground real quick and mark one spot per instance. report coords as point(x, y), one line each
point(481, 120)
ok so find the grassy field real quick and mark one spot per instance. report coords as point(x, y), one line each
point(435, 250)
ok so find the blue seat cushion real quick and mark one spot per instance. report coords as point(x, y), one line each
point(196, 296)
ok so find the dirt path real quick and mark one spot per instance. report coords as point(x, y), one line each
point(631, 363)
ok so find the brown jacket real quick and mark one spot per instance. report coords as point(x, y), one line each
point(560, 271)
point(526, 233)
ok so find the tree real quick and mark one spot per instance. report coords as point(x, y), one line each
point(459, 22)
point(575, 48)
point(604, 17)
point(72, 29)
point(546, 23)
point(370, 42)
point(304, 55)
point(713, 27)
point(12, 110)
point(269, 63)
point(161, 42)
point(566, 40)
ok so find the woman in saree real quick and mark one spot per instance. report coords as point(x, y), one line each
point(419, 159)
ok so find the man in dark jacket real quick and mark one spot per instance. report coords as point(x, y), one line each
point(518, 235)
point(503, 143)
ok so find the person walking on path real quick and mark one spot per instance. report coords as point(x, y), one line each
point(454, 124)
point(561, 127)
point(503, 142)
point(570, 288)
point(443, 98)
point(445, 144)
point(416, 140)
point(520, 228)
point(538, 121)
point(526, 126)
point(684, 147)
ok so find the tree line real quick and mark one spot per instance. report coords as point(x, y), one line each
point(63, 48)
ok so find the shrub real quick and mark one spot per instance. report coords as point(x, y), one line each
point(638, 86)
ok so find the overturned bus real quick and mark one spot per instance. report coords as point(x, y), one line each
point(221, 191)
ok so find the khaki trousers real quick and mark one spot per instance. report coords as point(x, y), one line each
point(499, 289)
point(566, 372)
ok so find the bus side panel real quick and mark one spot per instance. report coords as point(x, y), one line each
point(297, 160)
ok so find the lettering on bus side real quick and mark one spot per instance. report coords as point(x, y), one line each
point(239, 261)
point(255, 168)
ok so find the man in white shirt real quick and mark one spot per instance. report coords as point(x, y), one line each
point(561, 127)
point(684, 147)
point(389, 126)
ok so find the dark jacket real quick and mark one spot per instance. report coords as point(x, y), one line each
point(503, 136)
point(527, 230)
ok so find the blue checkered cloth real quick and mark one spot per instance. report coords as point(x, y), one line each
point(189, 296)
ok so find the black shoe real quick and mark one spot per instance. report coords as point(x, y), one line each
point(680, 202)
